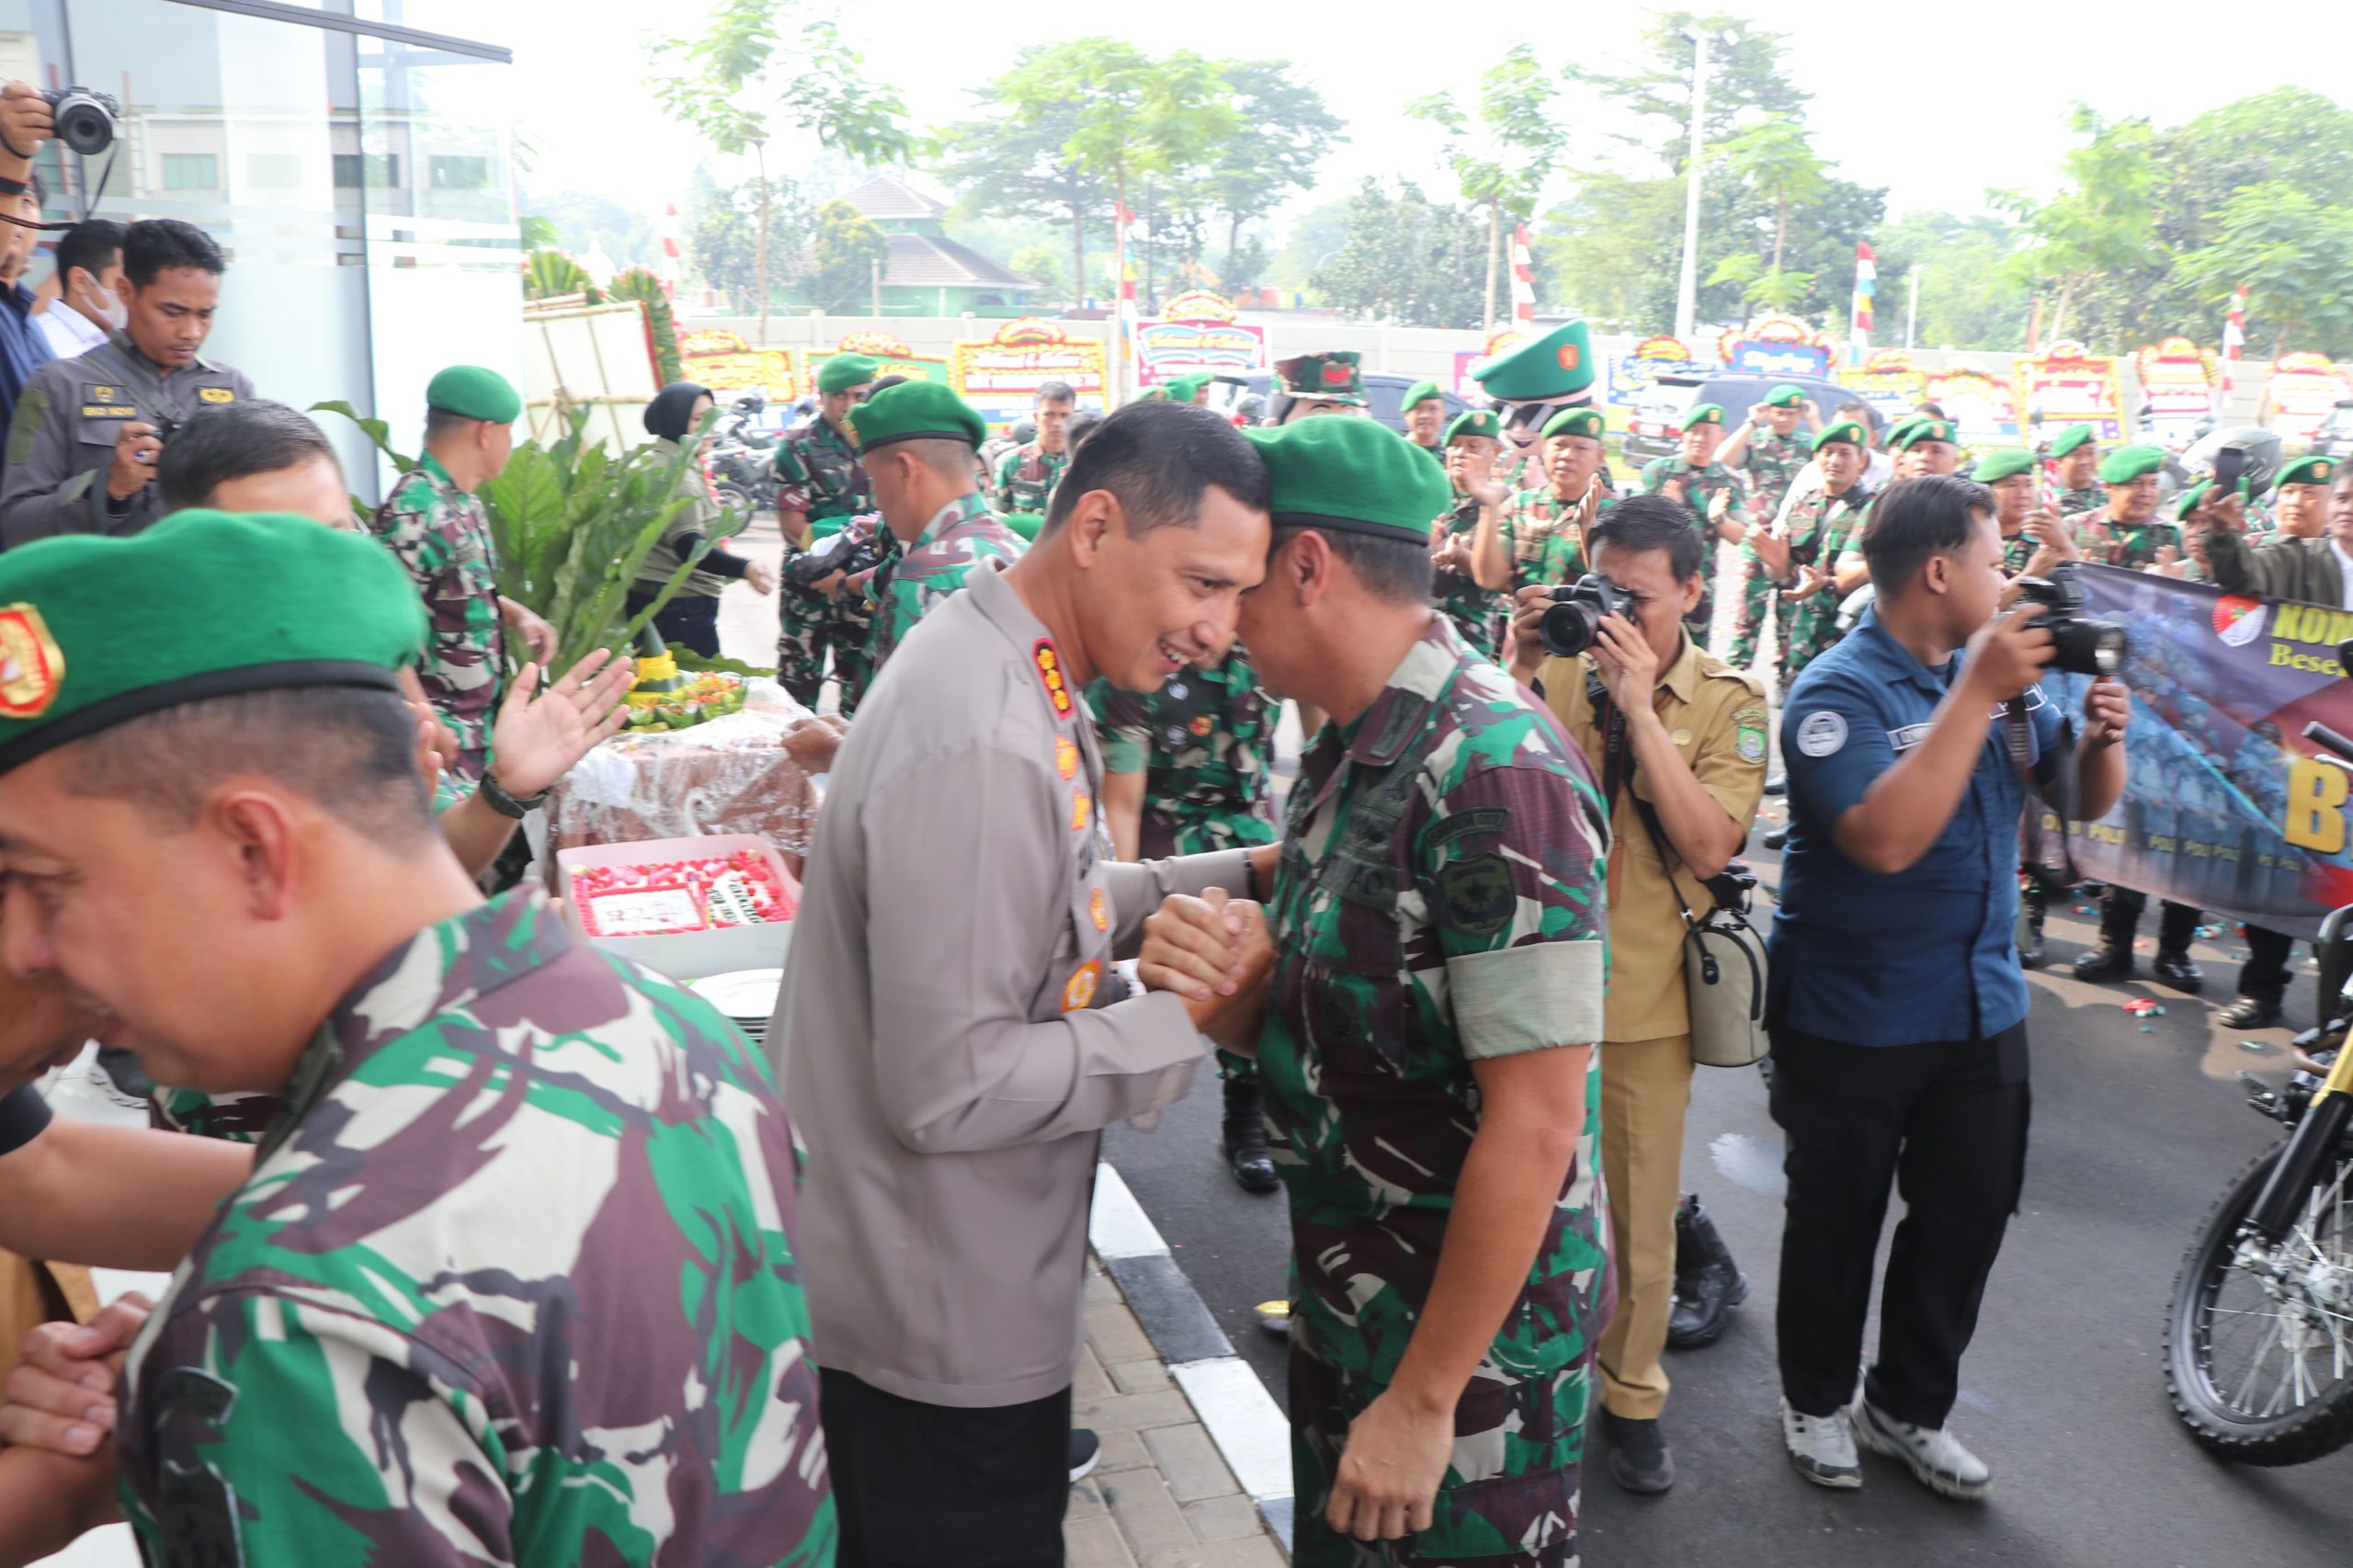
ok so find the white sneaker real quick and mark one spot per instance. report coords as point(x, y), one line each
point(1935, 1455)
point(1821, 1447)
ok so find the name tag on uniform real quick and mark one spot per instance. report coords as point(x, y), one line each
point(1907, 737)
point(100, 400)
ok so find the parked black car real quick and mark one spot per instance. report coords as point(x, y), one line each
point(1653, 431)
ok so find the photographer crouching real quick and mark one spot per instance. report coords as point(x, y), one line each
point(1678, 738)
point(1908, 746)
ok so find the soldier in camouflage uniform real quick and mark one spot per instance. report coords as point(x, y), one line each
point(513, 1280)
point(1026, 476)
point(1543, 529)
point(1817, 528)
point(2075, 466)
point(1771, 448)
point(1719, 505)
point(1442, 869)
point(820, 488)
point(918, 440)
point(2011, 473)
point(1467, 540)
point(436, 527)
point(2126, 530)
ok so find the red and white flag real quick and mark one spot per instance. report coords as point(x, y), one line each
point(1523, 281)
point(670, 250)
point(2233, 339)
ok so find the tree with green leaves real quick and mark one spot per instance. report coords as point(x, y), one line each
point(1502, 155)
point(751, 67)
point(1403, 258)
point(1774, 159)
point(2104, 223)
point(1745, 80)
point(722, 233)
point(1286, 130)
point(1773, 287)
point(844, 250)
point(2293, 253)
point(1971, 297)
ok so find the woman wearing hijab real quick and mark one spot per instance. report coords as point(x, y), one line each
point(691, 618)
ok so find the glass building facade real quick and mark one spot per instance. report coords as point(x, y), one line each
point(353, 159)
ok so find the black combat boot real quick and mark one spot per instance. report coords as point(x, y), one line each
point(1244, 1136)
point(1708, 1283)
point(2175, 969)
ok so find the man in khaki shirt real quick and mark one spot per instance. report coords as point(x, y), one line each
point(951, 1034)
point(1690, 741)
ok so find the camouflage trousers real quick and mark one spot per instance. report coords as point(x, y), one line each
point(1756, 592)
point(812, 628)
point(1524, 1439)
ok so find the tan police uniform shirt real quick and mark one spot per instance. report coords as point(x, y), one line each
point(948, 1035)
point(1716, 717)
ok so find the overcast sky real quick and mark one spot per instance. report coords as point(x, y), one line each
point(1937, 109)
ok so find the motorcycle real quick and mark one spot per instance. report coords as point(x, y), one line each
point(2259, 1336)
point(743, 458)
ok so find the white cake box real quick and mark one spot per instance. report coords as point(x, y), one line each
point(681, 955)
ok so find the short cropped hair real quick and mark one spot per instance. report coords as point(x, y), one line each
point(1394, 570)
point(350, 749)
point(152, 246)
point(1160, 459)
point(1056, 391)
point(223, 441)
point(1916, 518)
point(1651, 522)
point(91, 244)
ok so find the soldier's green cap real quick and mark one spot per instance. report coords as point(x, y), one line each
point(1150, 395)
point(1185, 389)
point(1477, 422)
point(2314, 469)
point(1786, 395)
point(2196, 493)
point(1329, 377)
point(2001, 463)
point(2067, 440)
point(2126, 464)
point(842, 371)
point(97, 630)
point(471, 392)
point(1845, 430)
point(1901, 428)
point(1026, 524)
point(1920, 430)
point(1559, 364)
point(1703, 413)
point(1351, 476)
point(1575, 422)
point(915, 411)
point(1419, 393)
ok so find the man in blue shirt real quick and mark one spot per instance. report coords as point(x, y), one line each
point(24, 347)
point(1897, 1005)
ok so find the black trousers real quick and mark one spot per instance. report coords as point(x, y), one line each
point(921, 1485)
point(2265, 974)
point(2119, 917)
point(688, 620)
point(1947, 1124)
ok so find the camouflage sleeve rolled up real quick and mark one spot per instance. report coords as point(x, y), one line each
point(933, 570)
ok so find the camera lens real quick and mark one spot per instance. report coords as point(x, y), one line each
point(83, 124)
point(1568, 627)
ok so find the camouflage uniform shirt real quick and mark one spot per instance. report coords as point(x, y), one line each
point(1439, 902)
point(819, 476)
point(1202, 742)
point(1773, 463)
point(513, 1282)
point(1544, 538)
point(441, 533)
point(1025, 478)
point(1820, 528)
point(1700, 488)
point(963, 535)
point(1478, 613)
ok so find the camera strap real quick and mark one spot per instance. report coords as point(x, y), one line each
point(120, 366)
point(1615, 758)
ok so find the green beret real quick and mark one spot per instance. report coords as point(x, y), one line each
point(2126, 464)
point(1919, 430)
point(1026, 524)
point(1845, 430)
point(1353, 476)
point(1477, 422)
point(842, 371)
point(2196, 493)
point(1559, 364)
point(2003, 462)
point(1419, 393)
point(915, 411)
point(1150, 395)
point(97, 630)
point(1901, 428)
point(1786, 395)
point(1703, 413)
point(2067, 440)
point(471, 392)
point(2314, 469)
point(1328, 378)
point(1575, 422)
point(1185, 389)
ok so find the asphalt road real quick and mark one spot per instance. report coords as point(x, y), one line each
point(2134, 1134)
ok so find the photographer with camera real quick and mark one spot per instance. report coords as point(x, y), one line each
point(86, 432)
point(1678, 738)
point(1896, 1004)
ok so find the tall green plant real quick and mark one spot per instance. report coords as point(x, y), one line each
point(644, 286)
point(551, 275)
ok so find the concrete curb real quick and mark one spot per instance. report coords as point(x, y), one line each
point(1251, 1432)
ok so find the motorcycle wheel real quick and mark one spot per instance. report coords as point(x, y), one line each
point(734, 497)
point(2259, 1345)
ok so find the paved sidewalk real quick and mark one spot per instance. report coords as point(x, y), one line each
point(1162, 1497)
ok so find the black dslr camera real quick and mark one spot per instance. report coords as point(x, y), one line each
point(2080, 645)
point(852, 550)
point(85, 120)
point(1574, 616)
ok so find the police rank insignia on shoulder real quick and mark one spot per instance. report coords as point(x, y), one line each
point(100, 400)
point(33, 665)
point(1050, 671)
point(1477, 895)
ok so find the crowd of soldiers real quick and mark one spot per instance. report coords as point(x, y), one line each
point(489, 1246)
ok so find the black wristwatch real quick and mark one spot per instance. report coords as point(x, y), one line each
point(506, 805)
